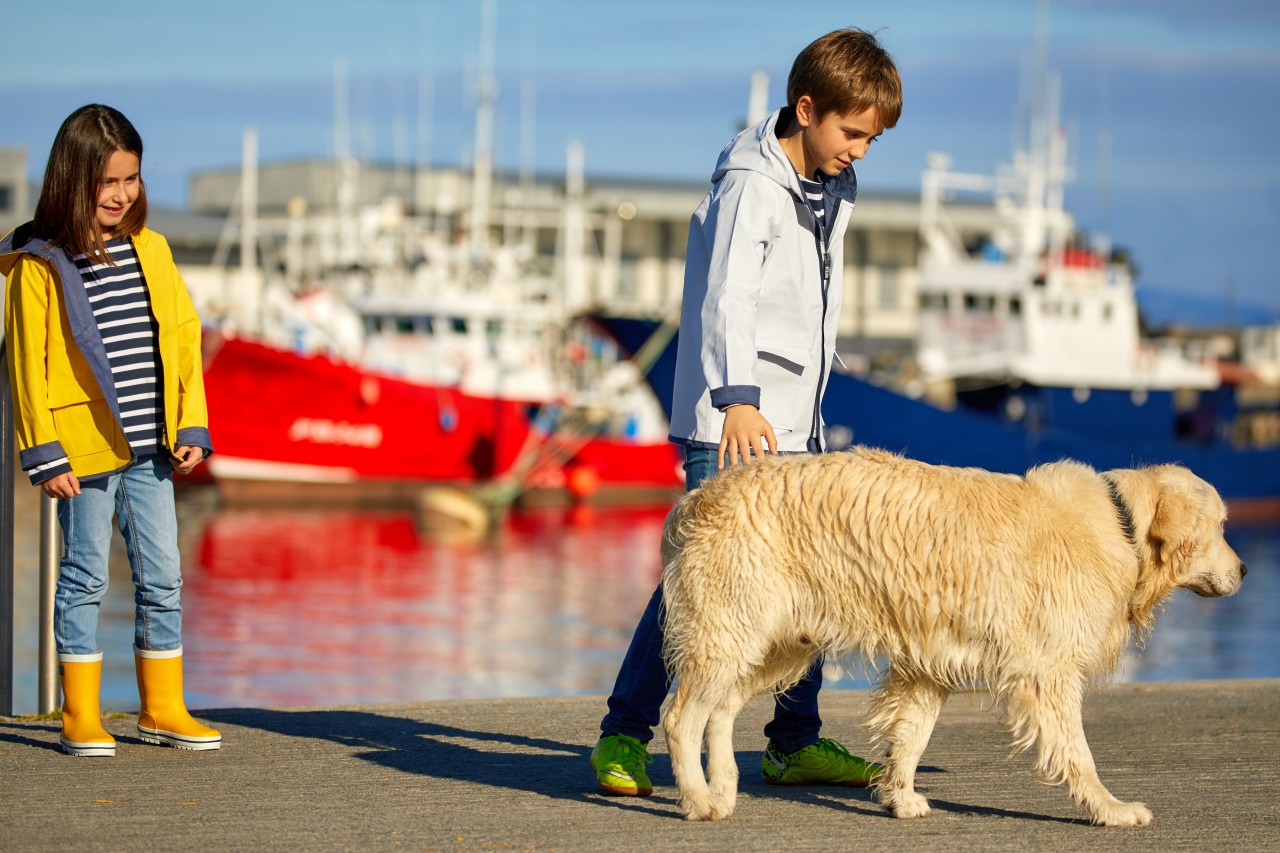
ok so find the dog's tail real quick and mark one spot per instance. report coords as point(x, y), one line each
point(676, 630)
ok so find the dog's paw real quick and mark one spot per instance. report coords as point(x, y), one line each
point(724, 802)
point(714, 808)
point(1124, 814)
point(908, 805)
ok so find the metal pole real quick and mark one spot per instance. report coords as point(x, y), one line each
point(48, 687)
point(6, 537)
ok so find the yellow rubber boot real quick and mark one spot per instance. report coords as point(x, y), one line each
point(163, 718)
point(82, 731)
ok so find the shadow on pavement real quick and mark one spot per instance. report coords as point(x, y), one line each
point(551, 768)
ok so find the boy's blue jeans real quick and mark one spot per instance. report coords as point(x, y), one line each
point(141, 497)
point(642, 683)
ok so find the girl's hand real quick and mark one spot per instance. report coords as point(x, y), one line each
point(186, 458)
point(62, 486)
point(746, 434)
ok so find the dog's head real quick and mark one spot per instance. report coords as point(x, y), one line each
point(1179, 521)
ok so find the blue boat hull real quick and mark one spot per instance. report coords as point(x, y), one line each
point(1107, 430)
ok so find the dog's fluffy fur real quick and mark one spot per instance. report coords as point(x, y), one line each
point(1029, 586)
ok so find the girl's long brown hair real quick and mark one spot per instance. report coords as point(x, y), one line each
point(66, 213)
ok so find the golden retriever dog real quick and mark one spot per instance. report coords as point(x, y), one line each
point(1029, 586)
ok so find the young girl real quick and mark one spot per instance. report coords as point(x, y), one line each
point(104, 361)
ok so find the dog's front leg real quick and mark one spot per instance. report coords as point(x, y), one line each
point(912, 707)
point(1050, 711)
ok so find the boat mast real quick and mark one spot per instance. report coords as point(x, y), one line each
point(482, 167)
point(347, 169)
point(247, 303)
point(575, 279)
point(758, 99)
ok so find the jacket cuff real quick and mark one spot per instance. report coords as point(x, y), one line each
point(196, 437)
point(735, 395)
point(44, 461)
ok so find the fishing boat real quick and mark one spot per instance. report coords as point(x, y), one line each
point(369, 352)
point(413, 361)
point(1029, 348)
point(461, 389)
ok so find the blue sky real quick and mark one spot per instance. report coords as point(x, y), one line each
point(1172, 106)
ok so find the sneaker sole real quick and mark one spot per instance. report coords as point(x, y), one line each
point(618, 791)
point(624, 792)
point(857, 784)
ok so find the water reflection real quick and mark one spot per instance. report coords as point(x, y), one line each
point(307, 607)
point(296, 607)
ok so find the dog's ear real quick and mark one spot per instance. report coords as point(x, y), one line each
point(1174, 526)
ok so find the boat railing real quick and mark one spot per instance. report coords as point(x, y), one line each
point(6, 537)
point(48, 682)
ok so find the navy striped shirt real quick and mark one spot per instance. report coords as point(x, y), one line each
point(813, 195)
point(122, 308)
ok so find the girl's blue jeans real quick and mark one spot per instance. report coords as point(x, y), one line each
point(642, 683)
point(141, 498)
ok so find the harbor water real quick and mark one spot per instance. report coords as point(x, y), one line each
point(301, 606)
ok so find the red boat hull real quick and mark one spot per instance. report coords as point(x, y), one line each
point(279, 417)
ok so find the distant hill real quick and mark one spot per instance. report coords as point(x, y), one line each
point(1171, 307)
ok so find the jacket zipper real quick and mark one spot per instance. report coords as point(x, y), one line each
point(814, 444)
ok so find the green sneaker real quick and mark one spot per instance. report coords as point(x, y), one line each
point(619, 762)
point(826, 762)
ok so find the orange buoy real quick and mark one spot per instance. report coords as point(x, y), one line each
point(583, 482)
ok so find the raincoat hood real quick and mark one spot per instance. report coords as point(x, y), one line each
point(757, 149)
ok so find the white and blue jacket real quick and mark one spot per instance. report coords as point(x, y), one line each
point(762, 296)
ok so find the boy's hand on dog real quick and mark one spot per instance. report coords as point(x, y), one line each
point(62, 486)
point(745, 434)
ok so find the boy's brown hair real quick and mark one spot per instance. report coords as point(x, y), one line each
point(66, 213)
point(847, 71)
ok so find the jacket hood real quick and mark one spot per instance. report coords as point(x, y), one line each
point(24, 240)
point(757, 149)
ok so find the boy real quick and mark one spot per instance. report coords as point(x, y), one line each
point(762, 296)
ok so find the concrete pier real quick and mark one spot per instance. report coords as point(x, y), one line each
point(513, 774)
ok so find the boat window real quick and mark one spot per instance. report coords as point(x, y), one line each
point(404, 325)
point(887, 291)
point(1015, 307)
point(933, 301)
point(458, 325)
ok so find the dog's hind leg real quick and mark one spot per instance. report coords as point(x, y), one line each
point(907, 708)
point(1048, 711)
point(684, 724)
point(722, 765)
